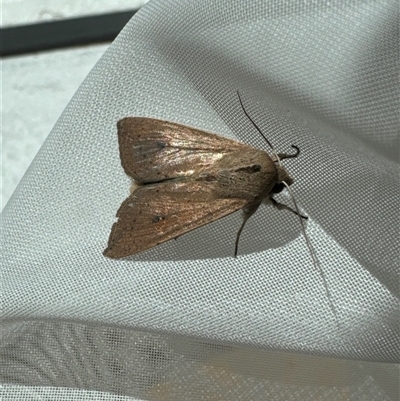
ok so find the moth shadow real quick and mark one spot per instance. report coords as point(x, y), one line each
point(266, 229)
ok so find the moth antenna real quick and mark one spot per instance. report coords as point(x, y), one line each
point(312, 253)
point(258, 129)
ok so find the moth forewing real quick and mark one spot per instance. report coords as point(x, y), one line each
point(154, 150)
point(156, 213)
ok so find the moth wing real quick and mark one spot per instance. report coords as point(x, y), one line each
point(156, 213)
point(154, 150)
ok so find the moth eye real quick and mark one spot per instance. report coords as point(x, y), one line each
point(278, 188)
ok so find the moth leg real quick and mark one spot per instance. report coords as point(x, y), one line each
point(248, 211)
point(286, 155)
point(281, 206)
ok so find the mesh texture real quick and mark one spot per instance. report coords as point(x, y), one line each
point(186, 320)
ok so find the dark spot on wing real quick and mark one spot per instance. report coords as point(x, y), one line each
point(249, 169)
point(156, 219)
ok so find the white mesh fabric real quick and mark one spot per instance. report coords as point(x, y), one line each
point(186, 320)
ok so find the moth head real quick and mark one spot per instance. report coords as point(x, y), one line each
point(283, 175)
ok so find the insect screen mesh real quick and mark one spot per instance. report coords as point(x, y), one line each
point(186, 320)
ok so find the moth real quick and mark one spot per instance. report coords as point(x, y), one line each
point(187, 178)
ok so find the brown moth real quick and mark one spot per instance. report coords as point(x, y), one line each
point(188, 178)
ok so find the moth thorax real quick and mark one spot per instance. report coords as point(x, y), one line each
point(283, 175)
